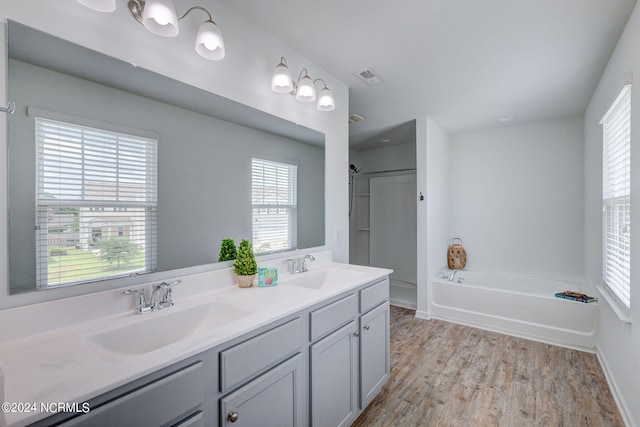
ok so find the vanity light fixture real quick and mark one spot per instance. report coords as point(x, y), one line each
point(304, 89)
point(160, 17)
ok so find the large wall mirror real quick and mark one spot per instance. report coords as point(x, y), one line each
point(203, 184)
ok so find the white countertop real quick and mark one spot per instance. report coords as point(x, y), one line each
point(60, 363)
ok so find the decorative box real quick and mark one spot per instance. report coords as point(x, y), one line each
point(267, 276)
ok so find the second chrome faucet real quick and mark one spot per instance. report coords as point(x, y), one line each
point(161, 297)
point(299, 264)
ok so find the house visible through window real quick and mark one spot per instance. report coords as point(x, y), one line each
point(274, 203)
point(96, 203)
point(616, 198)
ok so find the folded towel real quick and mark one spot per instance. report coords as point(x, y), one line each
point(576, 296)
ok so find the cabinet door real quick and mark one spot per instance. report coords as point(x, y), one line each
point(274, 399)
point(374, 352)
point(334, 378)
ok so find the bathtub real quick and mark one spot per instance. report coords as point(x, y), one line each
point(518, 305)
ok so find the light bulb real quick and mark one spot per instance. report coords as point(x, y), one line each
point(325, 100)
point(159, 17)
point(209, 41)
point(281, 81)
point(306, 92)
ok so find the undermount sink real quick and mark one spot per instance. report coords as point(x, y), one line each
point(159, 329)
point(323, 278)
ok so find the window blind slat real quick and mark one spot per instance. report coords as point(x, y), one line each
point(96, 204)
point(274, 202)
point(616, 197)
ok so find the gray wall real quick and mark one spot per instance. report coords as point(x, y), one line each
point(204, 170)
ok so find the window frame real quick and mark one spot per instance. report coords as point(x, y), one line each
point(616, 200)
point(147, 209)
point(289, 203)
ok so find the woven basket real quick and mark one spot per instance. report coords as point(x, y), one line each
point(457, 256)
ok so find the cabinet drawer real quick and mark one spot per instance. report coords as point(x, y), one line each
point(374, 295)
point(244, 361)
point(170, 398)
point(331, 317)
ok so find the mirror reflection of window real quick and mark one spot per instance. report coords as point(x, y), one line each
point(93, 184)
point(275, 204)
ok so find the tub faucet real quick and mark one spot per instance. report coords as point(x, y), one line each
point(453, 275)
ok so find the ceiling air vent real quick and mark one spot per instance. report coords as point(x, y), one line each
point(369, 76)
point(353, 118)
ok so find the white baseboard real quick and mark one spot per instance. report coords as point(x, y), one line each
point(617, 396)
point(403, 304)
point(420, 314)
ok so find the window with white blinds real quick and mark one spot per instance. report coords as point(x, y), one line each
point(96, 203)
point(616, 197)
point(274, 202)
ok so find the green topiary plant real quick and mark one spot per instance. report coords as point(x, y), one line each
point(245, 264)
point(227, 250)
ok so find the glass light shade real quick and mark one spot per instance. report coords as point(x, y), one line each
point(306, 92)
point(159, 17)
point(209, 41)
point(99, 5)
point(281, 81)
point(325, 100)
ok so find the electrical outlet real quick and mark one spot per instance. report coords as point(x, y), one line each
point(338, 234)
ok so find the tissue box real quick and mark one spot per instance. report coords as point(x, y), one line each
point(267, 276)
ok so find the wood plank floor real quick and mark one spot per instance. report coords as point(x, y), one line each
point(444, 374)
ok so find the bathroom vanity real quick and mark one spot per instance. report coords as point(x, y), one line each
point(313, 350)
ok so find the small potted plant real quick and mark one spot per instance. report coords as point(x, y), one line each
point(245, 266)
point(227, 250)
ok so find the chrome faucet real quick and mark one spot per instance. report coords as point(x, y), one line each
point(304, 262)
point(161, 297)
point(293, 265)
point(298, 265)
point(141, 300)
point(453, 275)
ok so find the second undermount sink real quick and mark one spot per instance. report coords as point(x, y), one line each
point(160, 329)
point(324, 278)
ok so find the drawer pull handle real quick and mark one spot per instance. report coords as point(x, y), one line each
point(356, 334)
point(367, 328)
point(232, 417)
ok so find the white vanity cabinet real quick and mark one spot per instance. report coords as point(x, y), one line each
point(349, 355)
point(320, 365)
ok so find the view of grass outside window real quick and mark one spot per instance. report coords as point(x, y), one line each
point(96, 204)
point(274, 202)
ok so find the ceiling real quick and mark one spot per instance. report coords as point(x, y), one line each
point(464, 63)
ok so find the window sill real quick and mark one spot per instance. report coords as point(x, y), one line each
point(622, 314)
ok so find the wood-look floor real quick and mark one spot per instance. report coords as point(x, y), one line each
point(444, 374)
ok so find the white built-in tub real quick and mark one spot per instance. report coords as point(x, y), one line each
point(518, 305)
